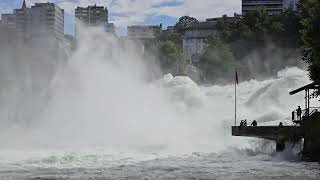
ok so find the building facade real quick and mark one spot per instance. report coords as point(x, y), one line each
point(41, 20)
point(95, 16)
point(23, 21)
point(194, 39)
point(92, 15)
point(47, 19)
point(143, 32)
point(110, 28)
point(9, 20)
point(273, 7)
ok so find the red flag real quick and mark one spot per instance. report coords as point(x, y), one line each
point(237, 80)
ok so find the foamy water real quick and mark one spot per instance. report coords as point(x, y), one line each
point(207, 150)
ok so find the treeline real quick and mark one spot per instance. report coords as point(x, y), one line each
point(310, 20)
point(257, 44)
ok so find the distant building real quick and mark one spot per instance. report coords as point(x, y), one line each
point(273, 7)
point(171, 28)
point(95, 16)
point(47, 19)
point(143, 32)
point(23, 21)
point(41, 20)
point(235, 18)
point(110, 28)
point(9, 20)
point(92, 15)
point(194, 39)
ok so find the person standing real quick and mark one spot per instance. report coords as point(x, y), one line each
point(254, 123)
point(299, 112)
point(280, 124)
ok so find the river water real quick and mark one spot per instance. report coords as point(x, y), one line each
point(202, 149)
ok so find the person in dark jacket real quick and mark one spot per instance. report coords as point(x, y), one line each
point(299, 112)
point(254, 123)
point(280, 124)
point(245, 122)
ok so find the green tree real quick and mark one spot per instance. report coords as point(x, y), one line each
point(290, 36)
point(261, 23)
point(217, 59)
point(176, 35)
point(173, 36)
point(186, 21)
point(171, 58)
point(311, 37)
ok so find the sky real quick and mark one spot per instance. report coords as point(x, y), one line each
point(138, 12)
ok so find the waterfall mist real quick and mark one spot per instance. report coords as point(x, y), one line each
point(103, 97)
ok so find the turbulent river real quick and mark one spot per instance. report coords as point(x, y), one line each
point(103, 120)
point(197, 147)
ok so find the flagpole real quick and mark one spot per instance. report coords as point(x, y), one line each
point(235, 98)
point(236, 82)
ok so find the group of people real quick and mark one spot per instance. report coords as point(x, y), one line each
point(254, 123)
point(244, 123)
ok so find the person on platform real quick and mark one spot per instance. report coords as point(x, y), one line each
point(292, 115)
point(254, 123)
point(280, 124)
point(299, 112)
point(245, 122)
point(241, 123)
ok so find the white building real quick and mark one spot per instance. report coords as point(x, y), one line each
point(41, 20)
point(92, 15)
point(194, 40)
point(95, 16)
point(47, 19)
point(143, 32)
point(9, 20)
point(273, 7)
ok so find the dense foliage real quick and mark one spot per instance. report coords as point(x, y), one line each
point(310, 11)
point(171, 58)
point(185, 21)
point(216, 60)
point(258, 44)
point(261, 44)
point(169, 47)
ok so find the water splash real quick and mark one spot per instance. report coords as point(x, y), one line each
point(103, 98)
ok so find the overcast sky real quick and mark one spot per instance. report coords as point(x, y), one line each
point(136, 12)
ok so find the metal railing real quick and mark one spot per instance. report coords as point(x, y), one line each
point(304, 113)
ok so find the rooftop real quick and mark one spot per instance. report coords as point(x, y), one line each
point(314, 86)
point(90, 7)
point(203, 25)
point(143, 26)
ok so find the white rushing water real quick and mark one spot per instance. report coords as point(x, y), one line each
point(105, 120)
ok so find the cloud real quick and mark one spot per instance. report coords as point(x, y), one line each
point(68, 7)
point(136, 11)
point(5, 7)
point(203, 8)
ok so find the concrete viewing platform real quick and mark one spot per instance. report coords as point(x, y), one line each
point(306, 128)
point(279, 134)
point(275, 133)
